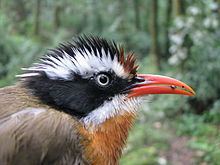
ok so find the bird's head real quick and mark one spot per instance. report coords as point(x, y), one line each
point(91, 79)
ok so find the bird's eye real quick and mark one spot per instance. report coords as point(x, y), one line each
point(103, 79)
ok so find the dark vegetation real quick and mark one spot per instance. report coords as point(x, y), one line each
point(171, 37)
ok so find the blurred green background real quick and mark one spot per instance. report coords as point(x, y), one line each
point(178, 38)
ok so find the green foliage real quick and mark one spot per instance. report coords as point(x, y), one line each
point(205, 137)
point(213, 116)
point(194, 125)
point(141, 156)
point(203, 67)
point(148, 139)
point(16, 52)
point(195, 40)
point(6, 46)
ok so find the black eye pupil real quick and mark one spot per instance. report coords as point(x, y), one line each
point(103, 79)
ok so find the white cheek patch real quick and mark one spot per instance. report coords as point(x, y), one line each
point(83, 63)
point(119, 105)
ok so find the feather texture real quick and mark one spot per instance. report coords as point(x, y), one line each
point(83, 56)
point(32, 133)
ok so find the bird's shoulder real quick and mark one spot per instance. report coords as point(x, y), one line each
point(17, 100)
point(13, 99)
point(35, 132)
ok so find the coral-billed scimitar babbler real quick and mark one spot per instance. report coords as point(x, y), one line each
point(76, 105)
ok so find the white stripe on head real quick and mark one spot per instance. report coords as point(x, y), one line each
point(82, 62)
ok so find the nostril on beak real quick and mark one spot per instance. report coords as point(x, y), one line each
point(173, 87)
point(139, 79)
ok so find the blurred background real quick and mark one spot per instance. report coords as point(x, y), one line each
point(178, 38)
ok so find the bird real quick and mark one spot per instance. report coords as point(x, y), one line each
point(76, 104)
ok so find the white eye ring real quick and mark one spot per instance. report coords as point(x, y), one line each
point(103, 79)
